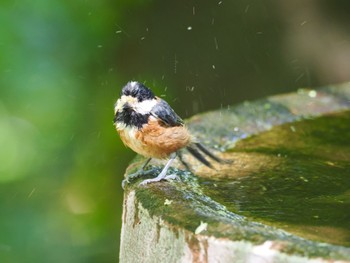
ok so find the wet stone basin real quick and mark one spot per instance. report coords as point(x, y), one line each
point(304, 185)
point(284, 198)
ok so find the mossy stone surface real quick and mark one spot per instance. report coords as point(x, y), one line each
point(289, 182)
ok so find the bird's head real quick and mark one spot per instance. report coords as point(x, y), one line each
point(136, 102)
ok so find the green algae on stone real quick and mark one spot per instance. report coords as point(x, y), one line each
point(309, 193)
point(288, 184)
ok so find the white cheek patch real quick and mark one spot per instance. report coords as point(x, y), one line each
point(122, 101)
point(145, 106)
point(118, 106)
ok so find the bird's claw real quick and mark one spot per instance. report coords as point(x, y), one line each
point(173, 177)
point(154, 180)
point(133, 176)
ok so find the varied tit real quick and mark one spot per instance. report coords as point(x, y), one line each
point(150, 127)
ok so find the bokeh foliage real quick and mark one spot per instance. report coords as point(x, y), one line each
point(60, 171)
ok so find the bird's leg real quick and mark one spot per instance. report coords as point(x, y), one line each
point(162, 174)
point(140, 172)
point(188, 168)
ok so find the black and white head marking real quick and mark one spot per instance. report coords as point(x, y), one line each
point(138, 103)
point(134, 106)
point(129, 117)
point(137, 90)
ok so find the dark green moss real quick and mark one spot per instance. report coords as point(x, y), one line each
point(309, 193)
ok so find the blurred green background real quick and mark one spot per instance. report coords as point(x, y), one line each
point(63, 64)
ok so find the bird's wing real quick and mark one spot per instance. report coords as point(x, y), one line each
point(166, 114)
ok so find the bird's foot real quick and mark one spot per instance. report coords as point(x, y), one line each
point(172, 177)
point(133, 176)
point(159, 178)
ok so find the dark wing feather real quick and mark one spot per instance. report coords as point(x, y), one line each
point(166, 114)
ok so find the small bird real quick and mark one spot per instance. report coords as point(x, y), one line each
point(150, 127)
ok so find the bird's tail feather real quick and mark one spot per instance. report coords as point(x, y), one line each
point(198, 156)
point(208, 153)
point(197, 150)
